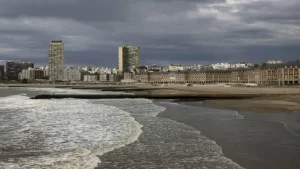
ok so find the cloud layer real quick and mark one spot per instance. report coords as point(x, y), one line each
point(168, 31)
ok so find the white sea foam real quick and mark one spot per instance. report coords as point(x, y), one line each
point(288, 129)
point(64, 133)
point(209, 113)
point(142, 107)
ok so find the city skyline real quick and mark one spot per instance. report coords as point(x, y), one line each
point(168, 32)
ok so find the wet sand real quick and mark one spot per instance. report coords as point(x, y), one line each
point(288, 103)
point(257, 141)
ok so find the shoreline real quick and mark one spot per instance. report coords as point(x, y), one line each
point(258, 100)
point(162, 131)
point(166, 143)
point(234, 145)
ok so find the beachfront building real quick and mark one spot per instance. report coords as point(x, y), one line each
point(2, 72)
point(71, 74)
point(91, 78)
point(56, 61)
point(221, 66)
point(274, 62)
point(142, 77)
point(13, 69)
point(32, 74)
point(280, 74)
point(104, 77)
point(173, 67)
point(129, 57)
point(128, 77)
point(114, 78)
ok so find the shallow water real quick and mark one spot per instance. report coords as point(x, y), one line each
point(166, 143)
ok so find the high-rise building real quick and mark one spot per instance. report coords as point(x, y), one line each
point(1, 72)
point(129, 57)
point(26, 65)
point(14, 68)
point(56, 61)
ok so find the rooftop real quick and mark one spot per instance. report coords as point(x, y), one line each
point(57, 41)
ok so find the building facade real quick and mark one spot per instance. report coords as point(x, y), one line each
point(129, 57)
point(104, 77)
point(1, 72)
point(73, 75)
point(113, 78)
point(265, 75)
point(32, 74)
point(91, 78)
point(12, 70)
point(26, 65)
point(173, 67)
point(56, 61)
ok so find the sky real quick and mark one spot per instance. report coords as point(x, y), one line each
point(167, 31)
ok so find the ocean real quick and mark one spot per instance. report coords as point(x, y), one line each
point(134, 133)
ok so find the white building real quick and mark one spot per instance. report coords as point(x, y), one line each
point(173, 67)
point(221, 66)
point(46, 70)
point(274, 62)
point(225, 66)
point(32, 74)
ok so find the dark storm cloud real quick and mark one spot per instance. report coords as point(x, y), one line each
point(251, 34)
point(168, 31)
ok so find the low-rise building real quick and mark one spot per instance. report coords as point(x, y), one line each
point(173, 67)
point(31, 74)
point(91, 78)
point(104, 77)
point(128, 77)
point(142, 77)
point(113, 78)
point(71, 74)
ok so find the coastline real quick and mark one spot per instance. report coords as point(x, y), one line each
point(169, 133)
point(166, 143)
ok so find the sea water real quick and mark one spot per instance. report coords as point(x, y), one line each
point(65, 133)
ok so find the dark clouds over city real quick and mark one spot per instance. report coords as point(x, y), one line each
point(168, 31)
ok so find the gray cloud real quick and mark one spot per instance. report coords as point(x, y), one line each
point(168, 31)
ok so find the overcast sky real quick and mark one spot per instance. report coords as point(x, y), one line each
point(168, 31)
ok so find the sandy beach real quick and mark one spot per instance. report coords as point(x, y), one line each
point(288, 103)
point(289, 99)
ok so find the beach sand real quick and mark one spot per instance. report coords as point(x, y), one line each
point(287, 103)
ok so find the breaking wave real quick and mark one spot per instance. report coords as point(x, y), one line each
point(64, 133)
